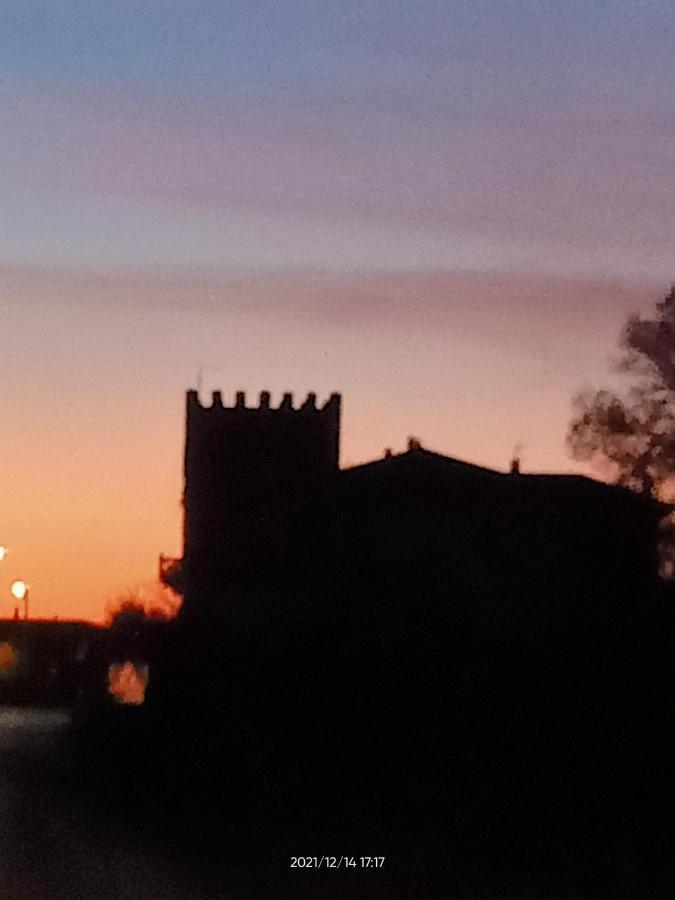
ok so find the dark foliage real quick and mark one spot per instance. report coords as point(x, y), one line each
point(634, 431)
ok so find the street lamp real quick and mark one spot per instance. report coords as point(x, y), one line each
point(3, 552)
point(20, 591)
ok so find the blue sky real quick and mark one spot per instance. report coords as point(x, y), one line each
point(309, 48)
point(514, 135)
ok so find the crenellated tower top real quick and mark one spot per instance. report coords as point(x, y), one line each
point(330, 407)
point(250, 473)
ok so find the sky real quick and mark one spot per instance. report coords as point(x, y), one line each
point(442, 210)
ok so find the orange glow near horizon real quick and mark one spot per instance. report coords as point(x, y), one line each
point(93, 403)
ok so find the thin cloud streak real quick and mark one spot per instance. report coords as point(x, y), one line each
point(427, 298)
point(253, 183)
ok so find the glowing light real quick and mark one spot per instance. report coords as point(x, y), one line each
point(127, 682)
point(3, 552)
point(19, 589)
point(6, 657)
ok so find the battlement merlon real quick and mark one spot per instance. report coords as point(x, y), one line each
point(214, 425)
point(247, 467)
point(194, 404)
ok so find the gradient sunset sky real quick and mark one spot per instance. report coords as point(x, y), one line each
point(443, 210)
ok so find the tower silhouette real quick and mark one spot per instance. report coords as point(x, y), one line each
point(253, 477)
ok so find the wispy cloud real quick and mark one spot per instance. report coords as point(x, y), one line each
point(119, 181)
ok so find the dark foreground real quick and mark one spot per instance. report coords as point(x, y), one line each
point(491, 827)
point(57, 841)
point(494, 768)
point(487, 763)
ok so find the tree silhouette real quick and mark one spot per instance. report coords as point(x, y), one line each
point(652, 341)
point(634, 431)
point(148, 601)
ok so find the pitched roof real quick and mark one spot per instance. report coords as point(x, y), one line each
point(424, 466)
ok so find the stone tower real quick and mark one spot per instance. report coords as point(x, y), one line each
point(256, 479)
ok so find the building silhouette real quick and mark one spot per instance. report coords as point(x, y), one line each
point(253, 476)
point(458, 664)
point(266, 503)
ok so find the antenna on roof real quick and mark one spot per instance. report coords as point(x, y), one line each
point(516, 459)
point(200, 374)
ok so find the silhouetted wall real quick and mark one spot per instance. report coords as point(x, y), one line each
point(251, 475)
point(458, 665)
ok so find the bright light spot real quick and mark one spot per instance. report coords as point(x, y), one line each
point(19, 589)
point(127, 682)
point(6, 657)
point(3, 552)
